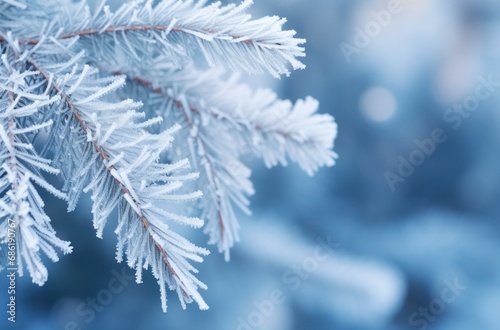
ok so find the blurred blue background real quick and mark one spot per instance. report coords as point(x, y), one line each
point(406, 251)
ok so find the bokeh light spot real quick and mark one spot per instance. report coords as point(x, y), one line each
point(378, 104)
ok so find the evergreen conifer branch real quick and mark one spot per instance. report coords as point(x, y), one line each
point(224, 34)
point(139, 207)
point(199, 102)
point(67, 75)
point(20, 205)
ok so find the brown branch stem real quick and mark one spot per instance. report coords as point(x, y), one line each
point(114, 29)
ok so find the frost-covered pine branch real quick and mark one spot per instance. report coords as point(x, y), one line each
point(71, 73)
point(21, 169)
point(214, 112)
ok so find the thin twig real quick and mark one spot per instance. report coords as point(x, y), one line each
point(114, 29)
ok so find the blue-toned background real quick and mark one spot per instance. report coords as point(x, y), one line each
point(372, 243)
